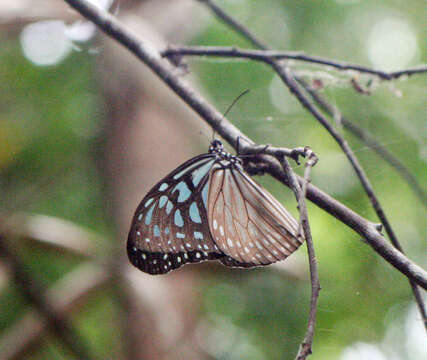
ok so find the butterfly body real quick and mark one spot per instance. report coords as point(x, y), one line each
point(210, 209)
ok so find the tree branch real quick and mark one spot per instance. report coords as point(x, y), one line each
point(370, 141)
point(67, 294)
point(175, 52)
point(268, 55)
point(34, 292)
point(291, 82)
point(305, 348)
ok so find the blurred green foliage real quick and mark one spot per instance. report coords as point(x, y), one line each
point(50, 143)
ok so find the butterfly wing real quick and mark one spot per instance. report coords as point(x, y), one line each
point(170, 225)
point(247, 223)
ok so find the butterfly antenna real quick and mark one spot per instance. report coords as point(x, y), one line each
point(230, 107)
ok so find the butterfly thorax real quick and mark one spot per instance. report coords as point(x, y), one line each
point(225, 158)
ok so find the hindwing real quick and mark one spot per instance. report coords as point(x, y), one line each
point(246, 222)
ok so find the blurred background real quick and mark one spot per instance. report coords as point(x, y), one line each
point(86, 130)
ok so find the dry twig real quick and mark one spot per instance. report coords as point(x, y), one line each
point(293, 85)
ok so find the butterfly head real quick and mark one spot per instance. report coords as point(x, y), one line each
point(216, 146)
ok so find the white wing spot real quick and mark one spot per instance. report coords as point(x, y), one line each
point(154, 261)
point(178, 259)
point(144, 256)
point(165, 256)
point(229, 242)
point(140, 217)
point(169, 263)
point(198, 255)
point(147, 240)
point(205, 253)
point(215, 224)
point(185, 256)
point(134, 248)
point(138, 233)
point(246, 249)
point(221, 230)
point(163, 187)
point(188, 245)
point(206, 247)
point(166, 267)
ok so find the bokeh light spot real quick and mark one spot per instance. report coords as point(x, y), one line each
point(45, 43)
point(392, 44)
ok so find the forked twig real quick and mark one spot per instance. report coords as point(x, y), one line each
point(305, 348)
point(268, 55)
point(291, 82)
point(370, 141)
point(300, 193)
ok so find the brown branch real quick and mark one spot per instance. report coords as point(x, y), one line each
point(291, 82)
point(52, 233)
point(268, 55)
point(34, 293)
point(300, 194)
point(374, 145)
point(67, 295)
point(148, 54)
point(174, 52)
point(305, 348)
point(370, 141)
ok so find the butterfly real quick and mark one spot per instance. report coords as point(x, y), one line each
point(209, 208)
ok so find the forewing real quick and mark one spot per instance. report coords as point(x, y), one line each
point(247, 223)
point(170, 225)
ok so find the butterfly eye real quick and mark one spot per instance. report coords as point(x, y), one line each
point(210, 209)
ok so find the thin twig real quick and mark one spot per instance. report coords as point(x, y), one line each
point(234, 24)
point(34, 292)
point(387, 156)
point(370, 141)
point(300, 194)
point(268, 55)
point(305, 348)
point(291, 82)
point(147, 54)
